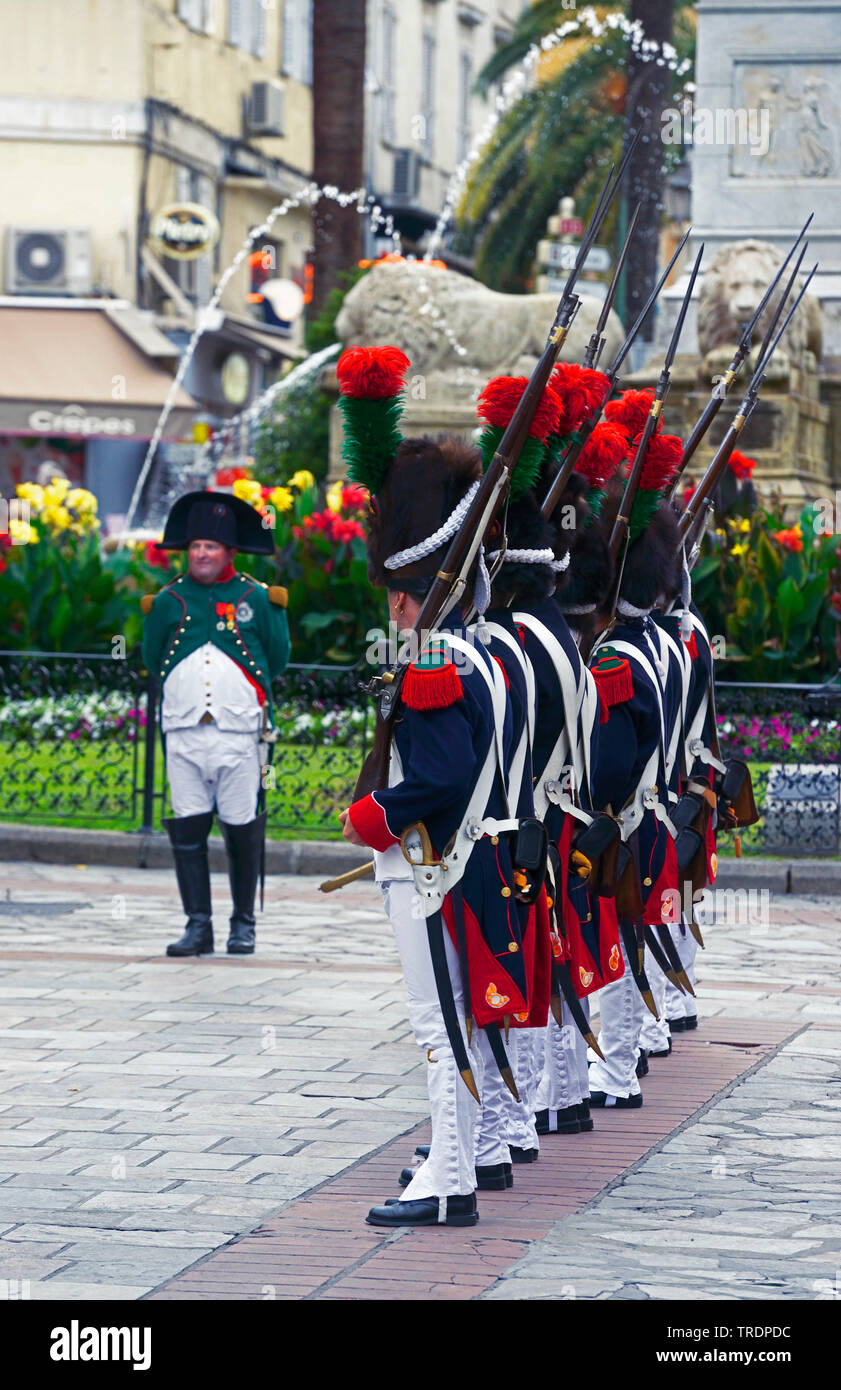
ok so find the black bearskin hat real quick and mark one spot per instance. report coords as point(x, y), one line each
point(652, 569)
point(420, 490)
point(586, 583)
point(526, 530)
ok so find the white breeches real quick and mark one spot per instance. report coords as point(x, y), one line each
point(622, 1009)
point(563, 1081)
point(682, 1005)
point(654, 1036)
point(450, 1168)
point(207, 767)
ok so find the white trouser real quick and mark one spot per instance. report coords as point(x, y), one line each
point(654, 1036)
point(621, 1008)
point(450, 1169)
point(519, 1127)
point(491, 1120)
point(207, 767)
point(682, 1005)
point(563, 1081)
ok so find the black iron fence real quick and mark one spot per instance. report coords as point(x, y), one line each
point(79, 746)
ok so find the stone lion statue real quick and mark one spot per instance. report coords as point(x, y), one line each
point(732, 286)
point(431, 312)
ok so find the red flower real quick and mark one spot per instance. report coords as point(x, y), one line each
point(354, 496)
point(835, 600)
point(662, 459)
point(792, 539)
point(372, 373)
point(226, 477)
point(741, 465)
point(602, 454)
point(154, 556)
point(630, 410)
point(581, 391)
point(345, 531)
point(503, 394)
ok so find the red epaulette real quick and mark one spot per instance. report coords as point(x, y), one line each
point(614, 682)
point(692, 646)
point(432, 682)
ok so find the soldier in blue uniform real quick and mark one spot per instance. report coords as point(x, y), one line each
point(639, 698)
point(449, 751)
point(216, 639)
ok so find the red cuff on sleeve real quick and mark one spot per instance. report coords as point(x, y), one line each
point(368, 820)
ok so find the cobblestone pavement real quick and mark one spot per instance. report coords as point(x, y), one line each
point(153, 1110)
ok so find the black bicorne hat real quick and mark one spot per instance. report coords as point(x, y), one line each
point(217, 516)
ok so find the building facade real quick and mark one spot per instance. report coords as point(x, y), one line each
point(141, 141)
point(422, 113)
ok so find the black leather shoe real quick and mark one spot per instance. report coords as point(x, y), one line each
point(523, 1155)
point(605, 1102)
point(584, 1119)
point(666, 1052)
point(676, 1025)
point(244, 844)
point(196, 941)
point(690, 1023)
point(642, 1063)
point(188, 838)
point(428, 1211)
point(494, 1177)
point(567, 1121)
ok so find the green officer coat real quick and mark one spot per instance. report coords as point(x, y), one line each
point(242, 617)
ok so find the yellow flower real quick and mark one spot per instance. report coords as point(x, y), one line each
point(739, 549)
point(248, 490)
point(744, 524)
point(57, 517)
point(281, 497)
point(302, 479)
point(57, 490)
point(22, 533)
point(334, 495)
point(31, 492)
point(81, 500)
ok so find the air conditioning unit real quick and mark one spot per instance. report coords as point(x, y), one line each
point(53, 262)
point(407, 167)
point(265, 109)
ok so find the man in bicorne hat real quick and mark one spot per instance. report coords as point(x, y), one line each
point(216, 639)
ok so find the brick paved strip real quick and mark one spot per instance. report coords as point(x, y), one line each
point(319, 1246)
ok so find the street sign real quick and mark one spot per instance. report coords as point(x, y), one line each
point(571, 226)
point(558, 255)
point(554, 284)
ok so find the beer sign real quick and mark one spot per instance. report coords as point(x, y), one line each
point(184, 231)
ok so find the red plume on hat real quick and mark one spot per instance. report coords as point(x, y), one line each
point(741, 465)
point(661, 462)
point(371, 385)
point(630, 410)
point(581, 391)
point(602, 454)
point(496, 406)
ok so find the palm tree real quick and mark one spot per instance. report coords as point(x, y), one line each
point(338, 114)
point(561, 134)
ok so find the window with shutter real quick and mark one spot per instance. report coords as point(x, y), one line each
point(389, 29)
point(236, 24)
point(289, 37)
point(258, 28)
point(466, 82)
point(427, 104)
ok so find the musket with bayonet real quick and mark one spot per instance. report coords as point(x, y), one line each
point(450, 582)
point(570, 458)
point(711, 478)
point(695, 535)
point(742, 352)
point(620, 535)
point(595, 346)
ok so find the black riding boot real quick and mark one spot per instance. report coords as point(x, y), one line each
point(245, 848)
point(188, 837)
